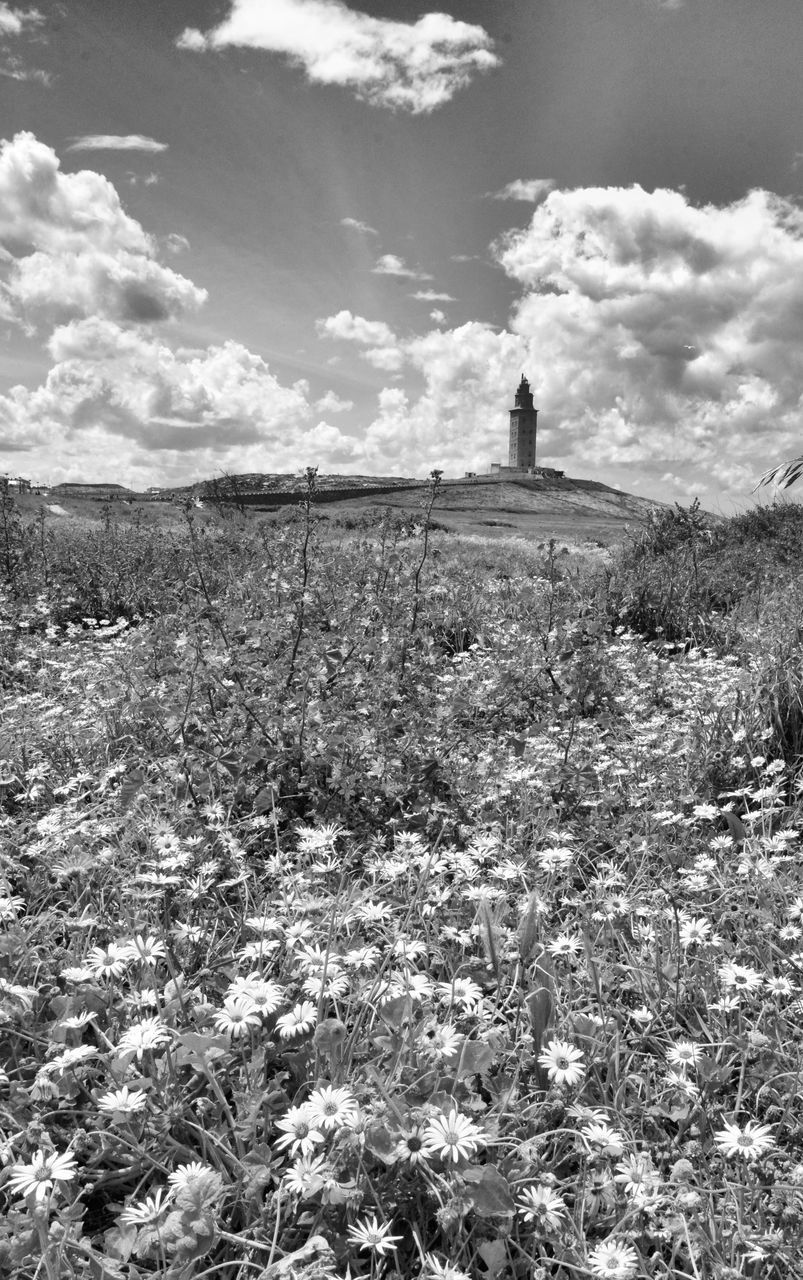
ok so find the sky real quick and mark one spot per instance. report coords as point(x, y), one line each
point(260, 235)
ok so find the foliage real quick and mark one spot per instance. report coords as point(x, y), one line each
point(385, 889)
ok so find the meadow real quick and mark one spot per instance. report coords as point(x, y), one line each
point(384, 902)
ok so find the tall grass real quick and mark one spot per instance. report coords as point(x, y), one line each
point(386, 903)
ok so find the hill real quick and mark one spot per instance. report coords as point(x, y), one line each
point(549, 505)
point(536, 508)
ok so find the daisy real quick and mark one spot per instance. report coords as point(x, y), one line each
point(739, 977)
point(41, 1175)
point(453, 1137)
point(333, 988)
point(444, 1039)
point(563, 1063)
point(300, 1131)
point(410, 1146)
point(565, 944)
point(695, 932)
point(751, 1141)
point(298, 1022)
point(332, 1108)
point(462, 991)
point(605, 1140)
point(263, 995)
point(150, 1033)
point(434, 1269)
point(684, 1053)
point(613, 1260)
point(146, 950)
point(147, 1211)
point(186, 1175)
point(71, 1057)
point(77, 973)
point(110, 961)
point(307, 1176)
point(637, 1177)
point(125, 1101)
point(374, 1236)
point(542, 1205)
point(237, 1017)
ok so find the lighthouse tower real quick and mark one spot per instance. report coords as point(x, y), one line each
point(523, 428)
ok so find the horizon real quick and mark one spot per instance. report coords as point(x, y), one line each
point(243, 238)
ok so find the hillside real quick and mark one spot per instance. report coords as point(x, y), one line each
point(534, 508)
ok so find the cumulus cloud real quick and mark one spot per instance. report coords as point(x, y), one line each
point(411, 66)
point(661, 338)
point(70, 249)
point(115, 142)
point(141, 393)
point(331, 402)
point(379, 344)
point(72, 260)
point(14, 23)
point(430, 295)
point(355, 225)
point(533, 190)
point(663, 329)
point(389, 264)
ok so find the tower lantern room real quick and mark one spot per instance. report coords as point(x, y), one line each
point(523, 428)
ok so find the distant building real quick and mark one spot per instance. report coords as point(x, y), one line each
point(14, 484)
point(76, 489)
point(523, 429)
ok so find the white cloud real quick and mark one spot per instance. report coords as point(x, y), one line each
point(661, 339)
point(389, 264)
point(175, 243)
point(71, 250)
point(14, 21)
point(431, 295)
point(411, 66)
point(355, 225)
point(149, 399)
point(437, 316)
point(116, 142)
point(332, 403)
point(119, 401)
point(380, 346)
point(532, 190)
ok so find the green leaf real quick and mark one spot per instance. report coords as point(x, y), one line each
point(489, 1191)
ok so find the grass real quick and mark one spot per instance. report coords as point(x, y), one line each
point(379, 901)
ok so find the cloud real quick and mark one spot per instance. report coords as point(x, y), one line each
point(115, 142)
point(380, 346)
point(437, 316)
point(661, 338)
point(14, 21)
point(70, 250)
point(410, 66)
point(391, 265)
point(175, 243)
point(533, 190)
point(150, 399)
point(430, 295)
point(147, 180)
point(332, 403)
point(356, 225)
point(117, 391)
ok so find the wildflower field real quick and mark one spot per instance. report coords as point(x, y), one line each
point(377, 902)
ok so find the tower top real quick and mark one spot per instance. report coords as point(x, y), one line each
point(524, 399)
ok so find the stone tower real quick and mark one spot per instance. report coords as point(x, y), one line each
point(523, 428)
